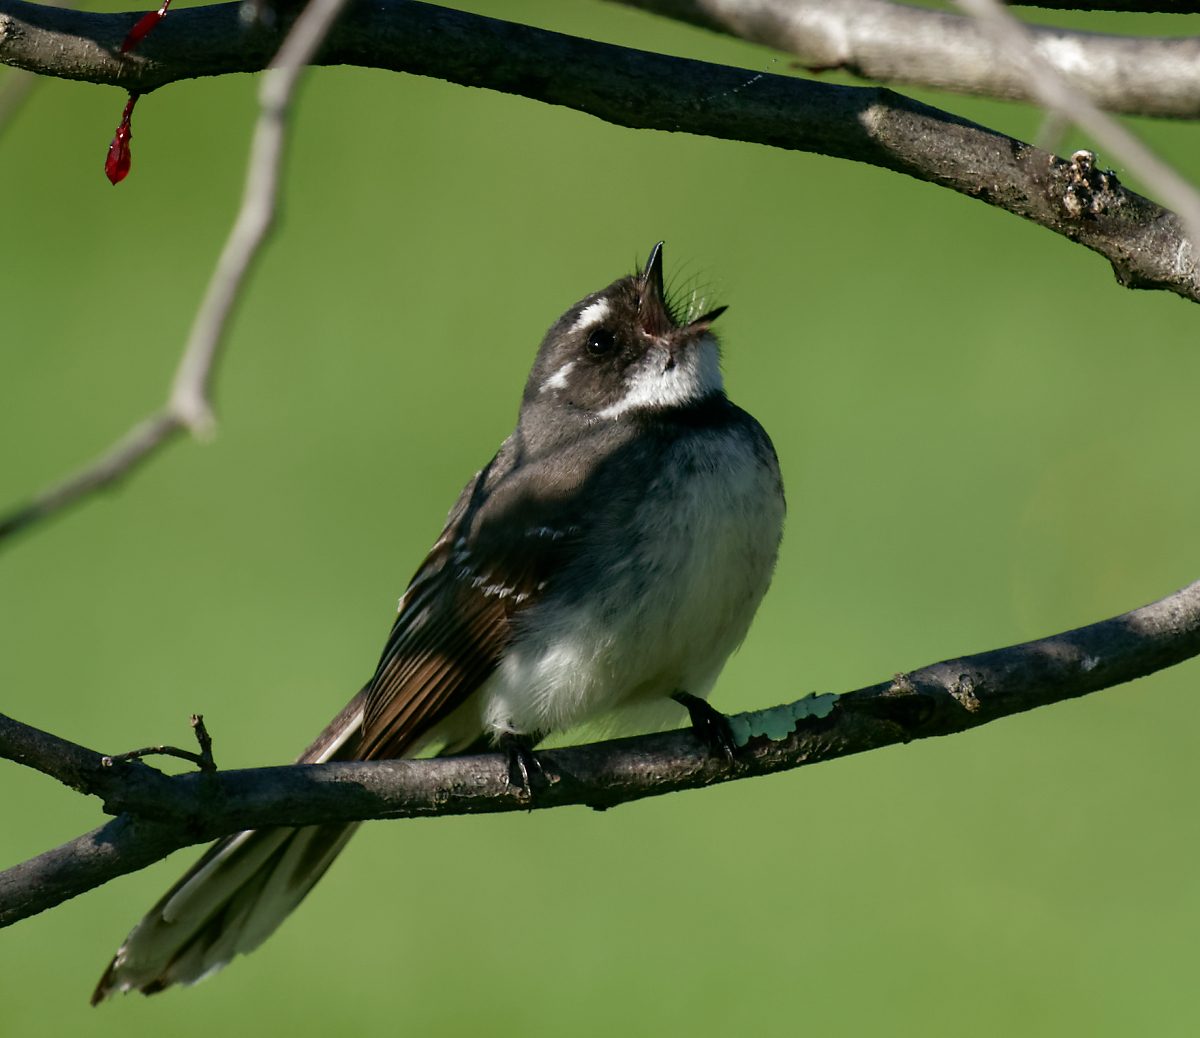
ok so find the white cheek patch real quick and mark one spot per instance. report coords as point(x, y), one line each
point(559, 379)
point(591, 314)
point(695, 375)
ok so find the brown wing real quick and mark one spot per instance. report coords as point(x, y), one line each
point(445, 642)
point(496, 557)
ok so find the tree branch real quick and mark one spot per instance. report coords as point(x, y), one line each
point(121, 846)
point(164, 813)
point(81, 769)
point(1060, 95)
point(1144, 242)
point(1137, 6)
point(897, 43)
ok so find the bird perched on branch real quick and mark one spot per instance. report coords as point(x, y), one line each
point(612, 554)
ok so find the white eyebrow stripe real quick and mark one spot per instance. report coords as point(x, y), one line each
point(591, 314)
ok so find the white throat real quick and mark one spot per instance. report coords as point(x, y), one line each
point(656, 383)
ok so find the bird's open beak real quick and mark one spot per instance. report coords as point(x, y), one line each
point(702, 324)
point(655, 317)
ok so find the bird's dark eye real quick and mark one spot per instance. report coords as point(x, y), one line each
point(601, 342)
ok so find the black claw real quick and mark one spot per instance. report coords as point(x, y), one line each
point(522, 761)
point(710, 726)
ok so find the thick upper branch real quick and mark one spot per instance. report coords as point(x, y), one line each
point(940, 699)
point(1144, 242)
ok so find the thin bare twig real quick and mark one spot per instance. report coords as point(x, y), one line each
point(207, 762)
point(189, 406)
point(899, 43)
point(941, 699)
point(203, 760)
point(1050, 133)
point(190, 392)
point(1056, 93)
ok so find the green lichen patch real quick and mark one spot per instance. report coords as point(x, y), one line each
point(778, 722)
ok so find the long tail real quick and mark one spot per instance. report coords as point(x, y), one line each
point(236, 895)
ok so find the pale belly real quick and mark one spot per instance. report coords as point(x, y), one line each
point(682, 580)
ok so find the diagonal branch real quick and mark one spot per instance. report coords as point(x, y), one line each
point(121, 846)
point(941, 699)
point(897, 43)
point(139, 443)
point(188, 407)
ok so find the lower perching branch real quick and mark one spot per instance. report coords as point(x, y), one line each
point(160, 814)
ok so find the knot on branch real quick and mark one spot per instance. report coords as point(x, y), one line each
point(962, 689)
point(1090, 191)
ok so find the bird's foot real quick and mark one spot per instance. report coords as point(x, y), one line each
point(710, 726)
point(521, 760)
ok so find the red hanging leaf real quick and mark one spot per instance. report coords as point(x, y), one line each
point(119, 159)
point(116, 164)
point(142, 26)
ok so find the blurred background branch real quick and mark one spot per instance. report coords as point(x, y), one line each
point(917, 46)
point(941, 699)
point(1133, 6)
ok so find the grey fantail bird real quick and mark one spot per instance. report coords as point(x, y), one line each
point(611, 555)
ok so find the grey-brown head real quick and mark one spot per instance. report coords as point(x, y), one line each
point(623, 349)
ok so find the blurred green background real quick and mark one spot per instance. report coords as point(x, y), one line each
point(984, 440)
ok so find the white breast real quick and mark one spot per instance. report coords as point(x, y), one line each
point(685, 579)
